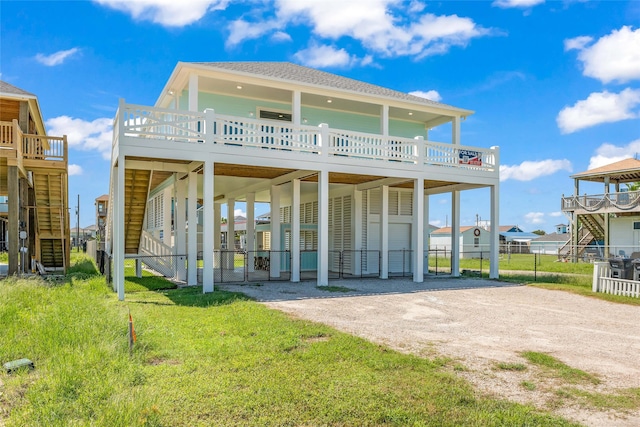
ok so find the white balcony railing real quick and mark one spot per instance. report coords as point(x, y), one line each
point(624, 201)
point(215, 129)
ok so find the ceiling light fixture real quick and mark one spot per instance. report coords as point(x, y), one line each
point(239, 87)
point(329, 101)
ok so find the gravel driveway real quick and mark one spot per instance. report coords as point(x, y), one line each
point(479, 323)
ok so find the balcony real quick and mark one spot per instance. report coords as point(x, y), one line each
point(208, 130)
point(628, 201)
point(32, 150)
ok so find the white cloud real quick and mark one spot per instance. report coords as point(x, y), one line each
point(75, 170)
point(577, 43)
point(56, 58)
point(281, 36)
point(84, 135)
point(609, 153)
point(239, 212)
point(556, 214)
point(322, 56)
point(433, 95)
point(534, 217)
point(529, 170)
point(168, 13)
point(599, 107)
point(614, 57)
point(241, 30)
point(505, 4)
point(374, 23)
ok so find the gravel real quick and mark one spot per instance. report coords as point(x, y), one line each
point(479, 323)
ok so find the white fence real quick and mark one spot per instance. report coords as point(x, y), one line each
point(612, 285)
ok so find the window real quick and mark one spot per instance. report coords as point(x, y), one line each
point(275, 115)
point(476, 242)
point(636, 225)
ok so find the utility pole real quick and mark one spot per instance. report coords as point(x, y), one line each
point(78, 225)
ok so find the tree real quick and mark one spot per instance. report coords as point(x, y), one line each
point(539, 232)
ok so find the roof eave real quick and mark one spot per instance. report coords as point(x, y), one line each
point(460, 112)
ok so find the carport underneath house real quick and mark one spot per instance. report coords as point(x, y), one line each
point(338, 190)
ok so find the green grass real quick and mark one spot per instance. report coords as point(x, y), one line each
point(4, 257)
point(335, 289)
point(214, 359)
point(517, 262)
point(511, 366)
point(528, 385)
point(624, 400)
point(557, 369)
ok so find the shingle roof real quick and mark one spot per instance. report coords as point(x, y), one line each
point(553, 237)
point(624, 170)
point(447, 230)
point(288, 71)
point(9, 88)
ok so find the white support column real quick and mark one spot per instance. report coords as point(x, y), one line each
point(455, 130)
point(384, 232)
point(323, 229)
point(494, 252)
point(251, 230)
point(180, 229)
point(384, 120)
point(426, 230)
point(455, 233)
point(193, 92)
point(276, 246)
point(231, 232)
point(118, 219)
point(207, 227)
point(418, 230)
point(296, 109)
point(166, 216)
point(192, 238)
point(217, 221)
point(356, 226)
point(295, 230)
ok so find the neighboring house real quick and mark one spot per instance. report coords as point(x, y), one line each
point(474, 241)
point(549, 244)
point(348, 166)
point(33, 184)
point(611, 218)
point(102, 207)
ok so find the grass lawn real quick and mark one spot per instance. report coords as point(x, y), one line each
point(215, 359)
point(516, 262)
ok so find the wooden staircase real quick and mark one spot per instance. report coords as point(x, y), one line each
point(592, 228)
point(51, 218)
point(136, 191)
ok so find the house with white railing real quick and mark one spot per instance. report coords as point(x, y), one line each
point(346, 167)
point(608, 222)
point(34, 206)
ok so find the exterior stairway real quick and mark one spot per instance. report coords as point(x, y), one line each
point(136, 191)
point(592, 229)
point(52, 218)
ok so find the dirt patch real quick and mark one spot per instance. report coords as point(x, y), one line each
point(479, 325)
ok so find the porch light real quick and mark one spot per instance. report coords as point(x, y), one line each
point(411, 113)
point(171, 93)
point(329, 101)
point(239, 87)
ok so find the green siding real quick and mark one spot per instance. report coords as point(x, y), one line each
point(243, 107)
point(406, 129)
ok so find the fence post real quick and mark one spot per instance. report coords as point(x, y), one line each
point(535, 267)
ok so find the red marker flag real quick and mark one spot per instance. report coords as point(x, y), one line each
point(132, 331)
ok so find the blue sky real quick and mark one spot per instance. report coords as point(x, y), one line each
point(555, 84)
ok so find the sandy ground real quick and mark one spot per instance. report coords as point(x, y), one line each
point(479, 323)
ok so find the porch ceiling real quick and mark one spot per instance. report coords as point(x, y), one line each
point(267, 93)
